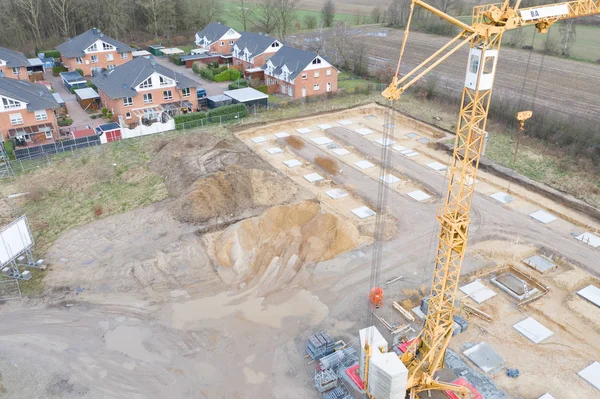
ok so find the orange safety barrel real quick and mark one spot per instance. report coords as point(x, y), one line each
point(377, 296)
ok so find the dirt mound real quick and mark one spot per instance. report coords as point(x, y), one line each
point(269, 251)
point(232, 193)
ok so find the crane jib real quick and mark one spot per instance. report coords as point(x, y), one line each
point(532, 14)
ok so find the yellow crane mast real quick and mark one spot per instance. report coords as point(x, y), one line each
point(484, 35)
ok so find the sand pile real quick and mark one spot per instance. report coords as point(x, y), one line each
point(233, 193)
point(271, 250)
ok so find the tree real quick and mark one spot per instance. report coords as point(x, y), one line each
point(376, 15)
point(265, 20)
point(445, 5)
point(157, 11)
point(398, 12)
point(568, 36)
point(31, 11)
point(63, 10)
point(244, 13)
point(328, 13)
point(285, 14)
point(310, 21)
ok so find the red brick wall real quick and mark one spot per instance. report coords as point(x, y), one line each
point(309, 83)
point(9, 73)
point(226, 49)
point(71, 63)
point(28, 120)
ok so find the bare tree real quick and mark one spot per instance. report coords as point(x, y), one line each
point(63, 10)
point(156, 11)
point(328, 13)
point(568, 35)
point(446, 5)
point(340, 41)
point(376, 15)
point(310, 21)
point(285, 14)
point(265, 20)
point(117, 22)
point(397, 14)
point(244, 13)
point(31, 11)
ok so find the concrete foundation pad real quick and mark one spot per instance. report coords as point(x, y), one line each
point(419, 195)
point(591, 293)
point(502, 197)
point(543, 216)
point(424, 140)
point(533, 330)
point(406, 151)
point(539, 263)
point(484, 357)
point(589, 239)
point(321, 140)
point(514, 286)
point(345, 122)
point(399, 148)
point(274, 150)
point(411, 154)
point(313, 177)
point(364, 131)
point(417, 311)
point(292, 163)
point(390, 179)
point(477, 291)
point(340, 151)
point(259, 139)
point(363, 212)
point(370, 117)
point(281, 135)
point(591, 374)
point(440, 167)
point(336, 193)
point(546, 396)
point(324, 126)
point(412, 135)
point(385, 142)
point(364, 164)
point(303, 130)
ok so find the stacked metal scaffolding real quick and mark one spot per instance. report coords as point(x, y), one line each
point(6, 170)
point(325, 380)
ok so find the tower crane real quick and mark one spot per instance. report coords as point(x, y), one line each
point(425, 356)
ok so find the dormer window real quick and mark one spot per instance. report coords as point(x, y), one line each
point(106, 46)
point(93, 47)
point(146, 84)
point(10, 104)
point(316, 61)
point(275, 44)
point(164, 81)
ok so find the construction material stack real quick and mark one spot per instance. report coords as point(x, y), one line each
point(319, 345)
point(388, 376)
point(344, 357)
point(378, 344)
point(325, 380)
point(337, 393)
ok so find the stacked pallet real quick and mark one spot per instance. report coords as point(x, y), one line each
point(320, 345)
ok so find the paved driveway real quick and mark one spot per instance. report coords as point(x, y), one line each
point(78, 114)
point(212, 88)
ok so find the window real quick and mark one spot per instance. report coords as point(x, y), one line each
point(474, 65)
point(146, 83)
point(316, 61)
point(110, 57)
point(186, 92)
point(329, 72)
point(164, 81)
point(41, 115)
point(275, 44)
point(106, 46)
point(488, 65)
point(124, 56)
point(127, 102)
point(168, 95)
point(148, 98)
point(49, 134)
point(110, 67)
point(304, 76)
point(94, 59)
point(316, 74)
point(16, 71)
point(93, 47)
point(79, 60)
point(16, 119)
point(10, 104)
point(316, 87)
point(128, 115)
point(222, 44)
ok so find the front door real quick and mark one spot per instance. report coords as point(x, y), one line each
point(304, 91)
point(290, 91)
point(283, 88)
point(328, 87)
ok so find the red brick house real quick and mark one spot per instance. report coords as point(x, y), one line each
point(252, 51)
point(27, 112)
point(298, 73)
point(93, 52)
point(142, 90)
point(13, 64)
point(217, 38)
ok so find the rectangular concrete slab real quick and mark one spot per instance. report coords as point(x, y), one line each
point(539, 263)
point(336, 193)
point(313, 177)
point(412, 135)
point(411, 154)
point(591, 293)
point(533, 330)
point(364, 131)
point(424, 140)
point(324, 126)
point(281, 135)
point(546, 396)
point(258, 140)
point(502, 197)
point(478, 291)
point(274, 150)
point(340, 151)
point(417, 311)
point(389, 125)
point(390, 179)
point(419, 195)
point(399, 148)
point(591, 374)
point(589, 239)
point(543, 216)
point(292, 163)
point(303, 130)
point(364, 164)
point(406, 151)
point(385, 142)
point(363, 212)
point(440, 167)
point(345, 122)
point(321, 140)
point(370, 117)
point(484, 357)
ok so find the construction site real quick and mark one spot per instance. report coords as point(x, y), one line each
point(323, 256)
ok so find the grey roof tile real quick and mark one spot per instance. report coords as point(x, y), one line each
point(37, 96)
point(255, 43)
point(213, 32)
point(75, 46)
point(295, 60)
point(13, 58)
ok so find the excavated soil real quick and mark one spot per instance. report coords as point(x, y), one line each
point(269, 251)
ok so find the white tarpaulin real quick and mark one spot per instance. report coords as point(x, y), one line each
point(15, 238)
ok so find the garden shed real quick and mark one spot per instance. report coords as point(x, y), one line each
point(112, 131)
point(218, 101)
point(88, 98)
point(248, 96)
point(156, 49)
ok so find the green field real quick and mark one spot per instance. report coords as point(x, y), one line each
point(586, 46)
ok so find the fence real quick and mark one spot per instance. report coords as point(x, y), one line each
point(57, 147)
point(215, 120)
